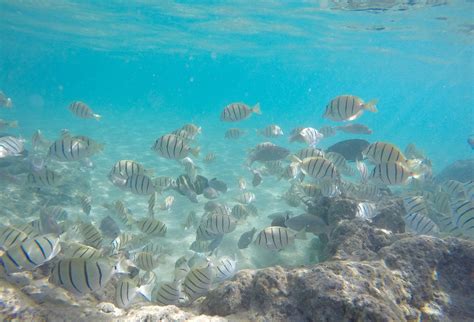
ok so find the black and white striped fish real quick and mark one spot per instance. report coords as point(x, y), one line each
point(173, 147)
point(11, 236)
point(168, 293)
point(421, 224)
point(82, 276)
point(146, 261)
point(69, 149)
point(210, 157)
point(348, 108)
point(225, 268)
point(152, 227)
point(327, 131)
point(140, 184)
point(239, 212)
point(246, 197)
point(123, 169)
point(30, 254)
point(277, 238)
point(309, 152)
point(234, 133)
point(238, 111)
point(198, 281)
point(11, 146)
point(43, 178)
point(217, 223)
point(271, 131)
point(78, 250)
point(363, 171)
point(415, 204)
point(391, 173)
point(366, 210)
point(463, 215)
point(86, 204)
point(311, 136)
point(127, 290)
point(381, 152)
point(454, 188)
point(319, 168)
point(83, 111)
point(90, 234)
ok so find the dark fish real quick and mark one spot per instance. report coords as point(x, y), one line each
point(470, 141)
point(280, 218)
point(311, 224)
point(109, 227)
point(218, 185)
point(246, 238)
point(268, 153)
point(257, 178)
point(350, 149)
point(210, 193)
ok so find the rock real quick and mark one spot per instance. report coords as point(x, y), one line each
point(390, 216)
point(461, 170)
point(356, 239)
point(341, 209)
point(414, 278)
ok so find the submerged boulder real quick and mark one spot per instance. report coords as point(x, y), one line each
point(415, 278)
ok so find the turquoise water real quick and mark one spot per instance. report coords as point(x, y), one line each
point(148, 69)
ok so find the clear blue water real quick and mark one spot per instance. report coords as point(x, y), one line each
point(150, 68)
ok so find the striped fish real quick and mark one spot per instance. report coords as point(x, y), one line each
point(239, 212)
point(30, 254)
point(454, 188)
point(151, 204)
point(200, 246)
point(277, 238)
point(210, 157)
point(90, 234)
point(43, 178)
point(327, 131)
point(191, 220)
point(128, 241)
point(329, 189)
point(309, 152)
point(469, 190)
point(11, 236)
point(140, 185)
point(421, 224)
point(56, 212)
point(77, 250)
point(203, 234)
point(363, 171)
point(310, 190)
point(164, 183)
point(181, 269)
point(348, 108)
point(311, 136)
point(225, 268)
point(86, 204)
point(83, 111)
point(173, 147)
point(192, 129)
point(441, 202)
point(391, 173)
point(146, 261)
point(381, 152)
point(446, 225)
point(463, 215)
point(69, 149)
point(125, 168)
point(11, 146)
point(82, 276)
point(152, 227)
point(415, 204)
point(198, 281)
point(217, 223)
point(234, 133)
point(366, 210)
point(246, 197)
point(271, 131)
point(127, 290)
point(319, 168)
point(168, 293)
point(238, 111)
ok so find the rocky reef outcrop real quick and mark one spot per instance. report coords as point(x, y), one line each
point(461, 170)
point(413, 278)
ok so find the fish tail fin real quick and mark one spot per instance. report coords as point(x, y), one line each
point(294, 159)
point(371, 106)
point(97, 116)
point(195, 151)
point(256, 109)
